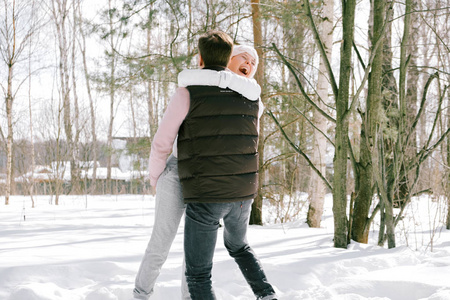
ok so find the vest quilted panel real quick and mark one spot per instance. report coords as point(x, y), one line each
point(217, 146)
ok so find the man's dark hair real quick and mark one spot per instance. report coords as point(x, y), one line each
point(215, 48)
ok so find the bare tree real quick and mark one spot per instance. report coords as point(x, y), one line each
point(16, 29)
point(371, 117)
point(60, 12)
point(256, 213)
point(83, 48)
point(318, 187)
point(33, 155)
point(343, 110)
point(75, 168)
point(341, 134)
point(448, 172)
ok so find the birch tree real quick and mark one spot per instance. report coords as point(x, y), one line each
point(33, 153)
point(60, 11)
point(112, 91)
point(93, 128)
point(448, 171)
point(318, 187)
point(16, 28)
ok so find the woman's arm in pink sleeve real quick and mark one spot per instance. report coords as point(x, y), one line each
point(167, 132)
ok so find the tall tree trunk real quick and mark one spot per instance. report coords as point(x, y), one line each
point(318, 190)
point(112, 90)
point(398, 170)
point(60, 15)
point(11, 49)
point(82, 45)
point(411, 98)
point(10, 54)
point(412, 88)
point(33, 159)
point(389, 183)
point(152, 116)
point(9, 143)
point(341, 138)
point(256, 213)
point(364, 192)
point(75, 169)
point(448, 172)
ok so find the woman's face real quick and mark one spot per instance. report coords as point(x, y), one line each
point(242, 64)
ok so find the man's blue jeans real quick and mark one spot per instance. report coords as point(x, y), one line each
point(200, 235)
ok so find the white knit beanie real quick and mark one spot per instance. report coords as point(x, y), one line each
point(238, 49)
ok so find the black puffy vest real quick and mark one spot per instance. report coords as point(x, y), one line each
point(217, 146)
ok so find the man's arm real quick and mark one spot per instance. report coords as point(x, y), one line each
point(167, 132)
point(247, 87)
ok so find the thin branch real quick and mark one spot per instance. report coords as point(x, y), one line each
point(314, 91)
point(298, 150)
point(275, 131)
point(374, 213)
point(359, 56)
point(137, 11)
point(308, 99)
point(438, 114)
point(312, 124)
point(176, 36)
point(276, 158)
point(422, 106)
point(434, 31)
point(432, 148)
point(432, 68)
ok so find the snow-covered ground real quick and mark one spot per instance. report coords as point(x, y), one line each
point(90, 247)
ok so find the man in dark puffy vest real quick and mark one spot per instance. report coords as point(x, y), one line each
point(218, 170)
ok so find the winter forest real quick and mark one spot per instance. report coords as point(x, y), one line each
point(354, 165)
point(355, 92)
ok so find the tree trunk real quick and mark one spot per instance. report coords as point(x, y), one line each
point(448, 176)
point(397, 172)
point(448, 171)
point(111, 103)
point(364, 192)
point(11, 49)
point(10, 53)
point(363, 187)
point(33, 156)
point(411, 98)
point(9, 143)
point(318, 189)
point(60, 15)
point(75, 168)
point(152, 116)
point(82, 45)
point(341, 138)
point(256, 212)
